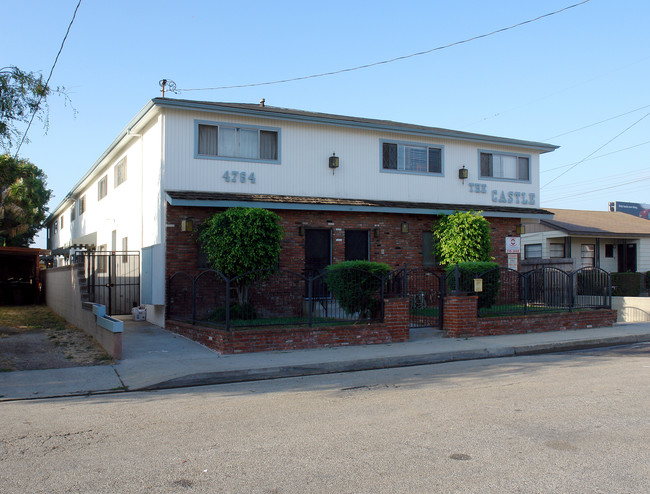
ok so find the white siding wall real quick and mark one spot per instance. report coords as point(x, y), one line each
point(303, 171)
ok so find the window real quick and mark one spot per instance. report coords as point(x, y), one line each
point(588, 253)
point(504, 166)
point(61, 221)
point(125, 248)
point(102, 258)
point(557, 250)
point(120, 172)
point(102, 188)
point(532, 251)
point(356, 245)
point(609, 250)
point(82, 205)
point(73, 212)
point(56, 227)
point(428, 252)
point(411, 158)
point(245, 143)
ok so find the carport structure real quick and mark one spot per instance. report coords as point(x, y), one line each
point(19, 275)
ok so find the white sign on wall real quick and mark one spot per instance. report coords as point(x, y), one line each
point(513, 245)
point(512, 261)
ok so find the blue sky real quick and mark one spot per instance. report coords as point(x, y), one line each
point(535, 82)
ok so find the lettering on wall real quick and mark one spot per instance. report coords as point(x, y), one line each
point(504, 196)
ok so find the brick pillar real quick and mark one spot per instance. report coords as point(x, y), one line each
point(460, 315)
point(396, 317)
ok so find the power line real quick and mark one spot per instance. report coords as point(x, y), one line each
point(597, 190)
point(596, 157)
point(403, 57)
point(47, 83)
point(594, 152)
point(597, 123)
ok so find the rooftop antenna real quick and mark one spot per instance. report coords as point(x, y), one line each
point(167, 85)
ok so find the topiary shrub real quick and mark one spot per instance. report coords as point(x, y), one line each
point(355, 285)
point(471, 270)
point(627, 284)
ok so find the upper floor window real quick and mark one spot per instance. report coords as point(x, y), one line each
point(411, 158)
point(237, 142)
point(505, 166)
point(61, 221)
point(120, 172)
point(56, 227)
point(102, 188)
point(73, 212)
point(82, 205)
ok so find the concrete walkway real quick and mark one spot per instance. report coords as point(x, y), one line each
point(154, 358)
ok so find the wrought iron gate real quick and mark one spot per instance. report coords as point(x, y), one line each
point(112, 279)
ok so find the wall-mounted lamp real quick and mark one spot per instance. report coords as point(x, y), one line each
point(405, 227)
point(187, 225)
point(521, 229)
point(463, 173)
point(301, 231)
point(376, 232)
point(334, 162)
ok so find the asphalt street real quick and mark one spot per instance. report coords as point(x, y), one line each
point(572, 422)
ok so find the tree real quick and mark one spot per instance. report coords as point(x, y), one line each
point(242, 243)
point(23, 201)
point(22, 94)
point(463, 237)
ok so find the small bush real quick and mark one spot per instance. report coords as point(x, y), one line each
point(356, 284)
point(471, 270)
point(627, 284)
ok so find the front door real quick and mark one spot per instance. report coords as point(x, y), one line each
point(318, 255)
point(627, 258)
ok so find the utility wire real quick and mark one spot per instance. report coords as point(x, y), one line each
point(403, 57)
point(596, 157)
point(594, 152)
point(597, 190)
point(47, 83)
point(597, 123)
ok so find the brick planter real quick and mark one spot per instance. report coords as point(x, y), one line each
point(460, 319)
point(395, 328)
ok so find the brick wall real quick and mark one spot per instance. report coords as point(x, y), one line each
point(460, 319)
point(395, 328)
point(391, 246)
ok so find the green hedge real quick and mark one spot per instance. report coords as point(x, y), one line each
point(471, 270)
point(356, 284)
point(627, 284)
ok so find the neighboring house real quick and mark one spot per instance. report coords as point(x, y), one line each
point(613, 241)
point(344, 187)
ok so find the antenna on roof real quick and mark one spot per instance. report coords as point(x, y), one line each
point(167, 85)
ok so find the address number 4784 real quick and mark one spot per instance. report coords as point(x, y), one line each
point(242, 177)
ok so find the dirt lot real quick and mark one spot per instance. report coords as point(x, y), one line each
point(34, 337)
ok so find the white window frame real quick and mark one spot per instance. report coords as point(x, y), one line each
point(529, 247)
point(590, 254)
point(552, 254)
point(120, 173)
point(237, 127)
point(403, 149)
point(102, 188)
point(498, 170)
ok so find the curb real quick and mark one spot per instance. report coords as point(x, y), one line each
point(236, 376)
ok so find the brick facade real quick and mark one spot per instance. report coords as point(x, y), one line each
point(395, 328)
point(391, 246)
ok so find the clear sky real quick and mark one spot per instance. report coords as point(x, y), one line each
point(540, 81)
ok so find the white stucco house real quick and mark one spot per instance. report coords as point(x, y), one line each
point(572, 239)
point(344, 187)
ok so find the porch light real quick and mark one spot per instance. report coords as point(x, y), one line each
point(334, 161)
point(405, 227)
point(301, 231)
point(187, 225)
point(521, 229)
point(463, 173)
point(376, 232)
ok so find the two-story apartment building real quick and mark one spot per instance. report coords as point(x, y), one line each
point(344, 187)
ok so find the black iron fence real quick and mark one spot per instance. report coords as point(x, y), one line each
point(112, 279)
point(547, 289)
point(275, 297)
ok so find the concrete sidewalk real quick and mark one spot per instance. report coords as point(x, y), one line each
point(154, 358)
